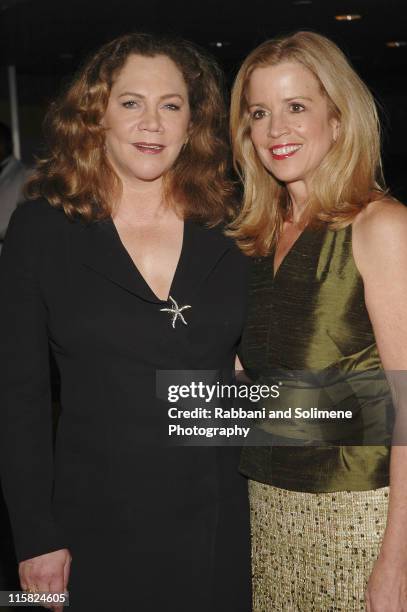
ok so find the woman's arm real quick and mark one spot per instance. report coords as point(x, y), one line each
point(26, 457)
point(380, 250)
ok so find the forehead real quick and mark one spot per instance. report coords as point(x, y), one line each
point(289, 79)
point(158, 72)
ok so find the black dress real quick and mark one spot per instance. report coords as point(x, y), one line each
point(149, 526)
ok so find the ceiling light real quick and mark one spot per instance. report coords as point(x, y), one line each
point(394, 44)
point(348, 17)
point(302, 2)
point(219, 43)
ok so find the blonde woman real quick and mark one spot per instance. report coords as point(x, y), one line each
point(328, 294)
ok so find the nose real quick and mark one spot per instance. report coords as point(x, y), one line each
point(277, 125)
point(150, 120)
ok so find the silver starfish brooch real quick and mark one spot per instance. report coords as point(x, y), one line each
point(176, 311)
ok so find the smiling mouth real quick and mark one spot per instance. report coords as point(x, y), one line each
point(284, 151)
point(149, 148)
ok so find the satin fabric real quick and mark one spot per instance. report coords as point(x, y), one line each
point(311, 317)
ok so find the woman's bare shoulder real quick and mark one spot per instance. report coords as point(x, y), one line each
point(380, 232)
point(381, 216)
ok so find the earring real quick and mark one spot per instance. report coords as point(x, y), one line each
point(336, 133)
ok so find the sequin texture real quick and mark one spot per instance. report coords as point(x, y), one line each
point(314, 551)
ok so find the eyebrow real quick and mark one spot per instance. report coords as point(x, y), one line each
point(164, 97)
point(285, 100)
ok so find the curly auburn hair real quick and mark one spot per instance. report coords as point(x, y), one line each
point(76, 175)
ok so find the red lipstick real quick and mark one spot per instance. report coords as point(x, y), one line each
point(283, 151)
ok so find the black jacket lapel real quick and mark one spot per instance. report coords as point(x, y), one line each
point(204, 248)
point(98, 247)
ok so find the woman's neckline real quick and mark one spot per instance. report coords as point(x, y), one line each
point(137, 270)
point(286, 257)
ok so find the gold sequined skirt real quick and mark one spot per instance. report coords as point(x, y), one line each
point(314, 552)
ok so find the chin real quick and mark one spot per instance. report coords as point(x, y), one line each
point(148, 174)
point(287, 173)
point(285, 177)
point(148, 178)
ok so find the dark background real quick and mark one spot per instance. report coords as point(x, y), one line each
point(47, 41)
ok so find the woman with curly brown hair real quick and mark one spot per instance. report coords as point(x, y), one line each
point(120, 265)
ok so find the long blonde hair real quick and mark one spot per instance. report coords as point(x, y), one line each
point(348, 175)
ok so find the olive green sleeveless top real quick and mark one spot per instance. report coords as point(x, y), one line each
point(312, 317)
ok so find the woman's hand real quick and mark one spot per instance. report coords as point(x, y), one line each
point(47, 573)
point(387, 587)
